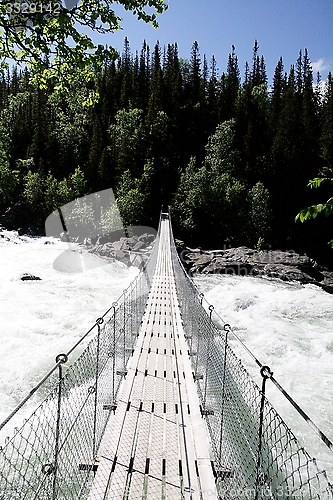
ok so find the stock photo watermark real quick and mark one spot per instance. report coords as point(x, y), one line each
point(22, 14)
point(94, 221)
point(47, 7)
point(253, 492)
point(236, 262)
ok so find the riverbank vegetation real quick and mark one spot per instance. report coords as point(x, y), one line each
point(231, 154)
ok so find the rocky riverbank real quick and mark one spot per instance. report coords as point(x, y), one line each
point(287, 266)
point(135, 251)
point(132, 251)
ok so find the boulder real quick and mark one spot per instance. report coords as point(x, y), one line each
point(118, 245)
point(138, 246)
point(29, 277)
point(103, 239)
point(119, 255)
point(105, 250)
point(286, 266)
point(31, 230)
point(327, 284)
point(128, 241)
point(287, 273)
point(200, 262)
point(136, 260)
point(146, 237)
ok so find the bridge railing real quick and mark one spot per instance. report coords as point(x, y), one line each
point(256, 455)
point(53, 454)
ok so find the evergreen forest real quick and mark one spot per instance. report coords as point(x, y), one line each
point(230, 154)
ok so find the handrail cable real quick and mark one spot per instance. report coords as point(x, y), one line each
point(63, 358)
point(268, 372)
point(253, 452)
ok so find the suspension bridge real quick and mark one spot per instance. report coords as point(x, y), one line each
point(157, 406)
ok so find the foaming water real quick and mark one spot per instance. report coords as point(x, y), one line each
point(40, 319)
point(288, 327)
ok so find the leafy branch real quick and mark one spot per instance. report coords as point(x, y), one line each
point(51, 43)
point(326, 208)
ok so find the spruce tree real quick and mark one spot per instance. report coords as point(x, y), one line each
point(326, 139)
point(126, 80)
point(278, 89)
point(230, 85)
point(213, 97)
point(255, 75)
point(144, 76)
point(195, 83)
point(156, 87)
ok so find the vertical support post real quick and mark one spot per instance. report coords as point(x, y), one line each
point(266, 373)
point(141, 292)
point(207, 366)
point(60, 359)
point(130, 335)
point(124, 326)
point(211, 309)
point(122, 331)
point(198, 351)
point(99, 322)
point(227, 330)
point(114, 353)
point(135, 304)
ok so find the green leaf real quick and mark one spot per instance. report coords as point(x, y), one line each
point(316, 183)
point(312, 211)
point(59, 40)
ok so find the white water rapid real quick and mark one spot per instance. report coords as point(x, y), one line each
point(41, 319)
point(287, 326)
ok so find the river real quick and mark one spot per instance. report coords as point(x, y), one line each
point(287, 326)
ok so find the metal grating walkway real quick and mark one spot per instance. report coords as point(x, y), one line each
point(156, 444)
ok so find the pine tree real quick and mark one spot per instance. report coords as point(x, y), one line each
point(230, 85)
point(156, 86)
point(172, 90)
point(126, 80)
point(144, 76)
point(247, 74)
point(299, 72)
point(258, 75)
point(255, 75)
point(37, 148)
point(195, 85)
point(136, 98)
point(326, 139)
point(213, 97)
point(278, 89)
point(95, 152)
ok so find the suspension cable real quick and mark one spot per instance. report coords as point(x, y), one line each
point(301, 412)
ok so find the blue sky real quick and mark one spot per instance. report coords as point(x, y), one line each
point(282, 28)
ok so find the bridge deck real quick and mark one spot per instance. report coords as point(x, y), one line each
point(156, 443)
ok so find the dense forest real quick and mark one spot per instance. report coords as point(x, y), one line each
point(231, 155)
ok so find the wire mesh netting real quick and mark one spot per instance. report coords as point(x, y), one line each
point(256, 455)
point(52, 456)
